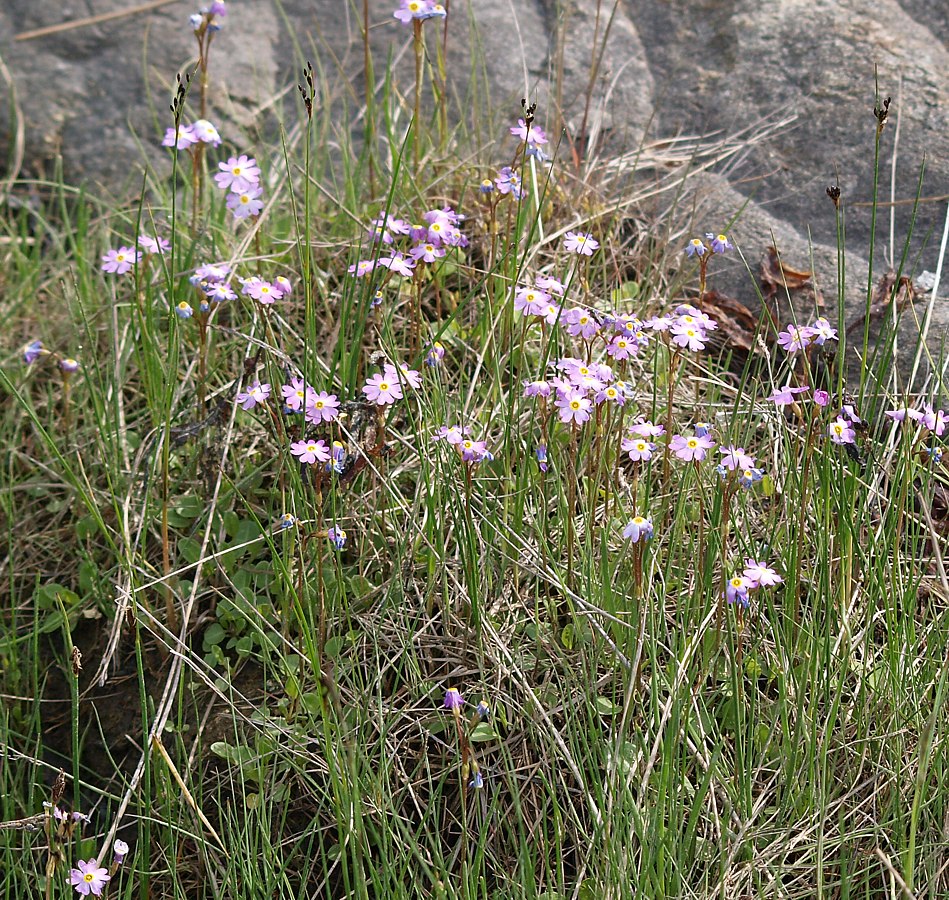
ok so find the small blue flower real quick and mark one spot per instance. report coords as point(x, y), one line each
point(336, 536)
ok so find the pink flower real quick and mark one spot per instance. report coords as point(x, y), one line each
point(260, 290)
point(403, 375)
point(734, 458)
point(621, 348)
point(536, 389)
point(118, 262)
point(382, 390)
point(934, 420)
point(821, 331)
point(693, 448)
point(509, 182)
point(840, 431)
point(362, 268)
point(89, 878)
point(296, 395)
point(757, 574)
point(785, 395)
point(473, 451)
point(719, 242)
point(398, 264)
point(427, 253)
point(574, 407)
point(647, 429)
point(638, 448)
point(205, 132)
point(534, 135)
point(238, 174)
point(185, 137)
point(580, 242)
point(310, 451)
point(581, 323)
point(795, 338)
point(550, 284)
point(412, 9)
point(246, 204)
point(255, 395)
point(452, 434)
point(282, 286)
point(690, 336)
point(152, 245)
point(322, 407)
point(530, 301)
point(821, 398)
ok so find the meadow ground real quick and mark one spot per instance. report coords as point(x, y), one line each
point(391, 514)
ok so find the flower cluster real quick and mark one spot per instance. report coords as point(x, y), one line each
point(35, 350)
point(240, 177)
point(187, 137)
point(458, 437)
point(713, 243)
point(533, 137)
point(932, 420)
point(755, 575)
point(430, 241)
point(420, 10)
point(794, 339)
point(207, 17)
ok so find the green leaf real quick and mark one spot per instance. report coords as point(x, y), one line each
point(482, 732)
point(568, 636)
point(605, 706)
point(213, 635)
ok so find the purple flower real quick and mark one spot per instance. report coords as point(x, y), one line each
point(436, 353)
point(238, 174)
point(580, 242)
point(282, 286)
point(487, 186)
point(118, 262)
point(68, 365)
point(477, 779)
point(362, 268)
point(211, 272)
point(533, 135)
point(337, 458)
point(336, 536)
point(89, 878)
point(538, 388)
point(719, 243)
point(260, 290)
point(621, 348)
point(736, 591)
point(691, 449)
point(541, 453)
point(550, 284)
point(696, 247)
point(638, 529)
point(398, 264)
point(32, 352)
point(785, 395)
point(286, 521)
point(474, 451)
point(647, 429)
point(403, 374)
point(219, 291)
point(509, 182)
point(184, 310)
point(120, 849)
point(821, 398)
point(310, 451)
point(246, 204)
point(840, 431)
point(255, 395)
point(453, 699)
